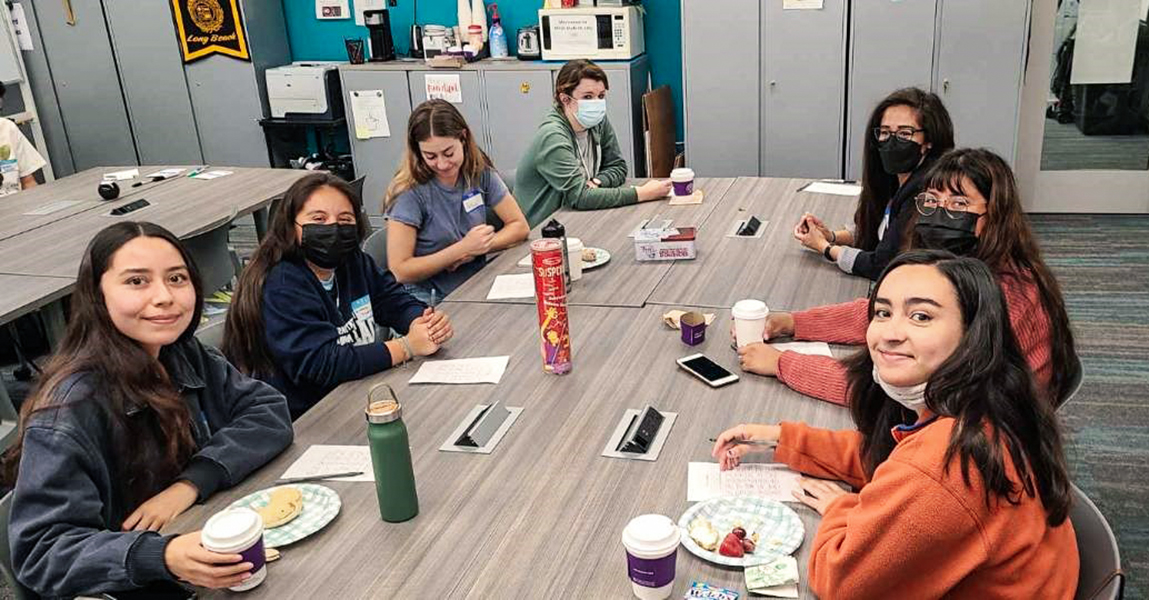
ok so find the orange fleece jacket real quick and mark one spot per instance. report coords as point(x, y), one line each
point(917, 531)
point(825, 378)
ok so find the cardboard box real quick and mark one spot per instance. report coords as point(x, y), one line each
point(664, 244)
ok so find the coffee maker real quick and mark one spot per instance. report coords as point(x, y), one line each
point(379, 28)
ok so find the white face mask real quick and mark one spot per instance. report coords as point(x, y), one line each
point(912, 397)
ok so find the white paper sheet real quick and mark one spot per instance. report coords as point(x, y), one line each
point(331, 9)
point(166, 173)
point(802, 4)
point(773, 481)
point(445, 86)
point(324, 460)
point(51, 207)
point(837, 189)
point(20, 26)
point(369, 110)
point(363, 5)
point(122, 175)
point(488, 369)
point(521, 285)
point(814, 348)
point(1106, 41)
point(212, 175)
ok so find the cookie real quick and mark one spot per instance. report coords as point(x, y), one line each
point(285, 504)
point(588, 255)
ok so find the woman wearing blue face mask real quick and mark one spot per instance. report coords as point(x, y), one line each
point(304, 313)
point(574, 160)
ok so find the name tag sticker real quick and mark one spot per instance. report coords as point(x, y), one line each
point(362, 308)
point(475, 200)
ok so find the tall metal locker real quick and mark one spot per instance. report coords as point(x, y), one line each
point(44, 91)
point(87, 86)
point(978, 72)
point(720, 67)
point(517, 101)
point(155, 88)
point(891, 47)
point(229, 96)
point(377, 158)
point(803, 86)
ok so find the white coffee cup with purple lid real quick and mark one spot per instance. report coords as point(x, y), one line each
point(651, 543)
point(683, 181)
point(238, 531)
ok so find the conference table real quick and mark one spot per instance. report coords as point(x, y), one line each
point(542, 515)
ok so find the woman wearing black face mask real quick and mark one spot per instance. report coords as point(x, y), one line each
point(304, 313)
point(906, 133)
point(970, 204)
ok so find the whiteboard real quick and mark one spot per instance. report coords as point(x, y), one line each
point(9, 62)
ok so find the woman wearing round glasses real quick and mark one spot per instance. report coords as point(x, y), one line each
point(906, 133)
point(970, 207)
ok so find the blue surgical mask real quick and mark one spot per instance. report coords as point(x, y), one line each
point(591, 112)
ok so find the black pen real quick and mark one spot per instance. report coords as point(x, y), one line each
point(319, 477)
point(766, 443)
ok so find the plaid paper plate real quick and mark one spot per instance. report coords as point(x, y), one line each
point(320, 505)
point(601, 257)
point(779, 529)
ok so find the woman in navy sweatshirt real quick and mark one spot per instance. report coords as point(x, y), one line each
point(304, 313)
point(133, 422)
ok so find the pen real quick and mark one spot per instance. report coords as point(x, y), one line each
point(319, 477)
point(766, 443)
point(197, 171)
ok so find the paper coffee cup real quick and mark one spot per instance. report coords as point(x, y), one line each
point(651, 543)
point(238, 531)
point(683, 181)
point(749, 321)
point(574, 251)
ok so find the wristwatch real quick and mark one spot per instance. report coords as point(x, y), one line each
point(826, 252)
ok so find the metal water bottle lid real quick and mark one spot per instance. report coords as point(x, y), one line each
point(384, 410)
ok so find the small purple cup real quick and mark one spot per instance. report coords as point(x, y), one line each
point(693, 325)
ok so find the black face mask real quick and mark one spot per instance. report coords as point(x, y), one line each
point(899, 156)
point(328, 245)
point(939, 231)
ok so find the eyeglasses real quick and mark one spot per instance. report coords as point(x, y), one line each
point(903, 133)
point(927, 204)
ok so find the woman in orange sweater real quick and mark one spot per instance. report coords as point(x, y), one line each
point(971, 207)
point(963, 490)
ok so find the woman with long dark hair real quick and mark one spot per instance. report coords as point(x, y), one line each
point(963, 489)
point(971, 207)
point(906, 133)
point(133, 422)
point(305, 310)
point(438, 202)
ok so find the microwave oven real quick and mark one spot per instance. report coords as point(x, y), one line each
point(594, 33)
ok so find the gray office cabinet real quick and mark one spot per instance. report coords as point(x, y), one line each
point(517, 101)
point(720, 68)
point(891, 47)
point(86, 85)
point(229, 96)
point(44, 91)
point(803, 89)
point(378, 158)
point(628, 82)
point(471, 92)
point(154, 85)
point(979, 67)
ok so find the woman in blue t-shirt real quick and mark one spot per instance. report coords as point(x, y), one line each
point(439, 203)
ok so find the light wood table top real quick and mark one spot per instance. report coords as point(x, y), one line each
point(80, 187)
point(184, 206)
point(623, 281)
point(20, 294)
point(542, 516)
point(774, 268)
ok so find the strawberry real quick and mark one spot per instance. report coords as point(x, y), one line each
point(738, 531)
point(731, 546)
point(748, 545)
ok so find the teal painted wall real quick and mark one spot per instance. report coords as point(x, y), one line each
point(313, 39)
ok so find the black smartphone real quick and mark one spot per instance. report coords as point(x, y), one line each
point(751, 227)
point(707, 370)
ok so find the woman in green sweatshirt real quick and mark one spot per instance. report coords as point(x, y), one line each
point(574, 160)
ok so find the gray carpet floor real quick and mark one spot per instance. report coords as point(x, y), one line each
point(1102, 263)
point(1066, 148)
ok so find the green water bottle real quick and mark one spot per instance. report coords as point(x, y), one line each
point(391, 457)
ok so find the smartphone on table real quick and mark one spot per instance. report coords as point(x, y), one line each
point(707, 370)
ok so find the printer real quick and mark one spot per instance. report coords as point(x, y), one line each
point(305, 89)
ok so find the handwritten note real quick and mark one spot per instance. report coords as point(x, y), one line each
point(488, 369)
point(323, 460)
point(369, 110)
point(445, 86)
point(512, 286)
point(814, 348)
point(772, 481)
